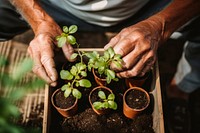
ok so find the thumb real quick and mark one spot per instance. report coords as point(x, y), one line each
point(68, 51)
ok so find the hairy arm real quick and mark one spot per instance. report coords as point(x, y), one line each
point(41, 48)
point(138, 43)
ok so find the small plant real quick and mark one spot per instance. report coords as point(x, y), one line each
point(102, 63)
point(106, 102)
point(75, 76)
point(78, 71)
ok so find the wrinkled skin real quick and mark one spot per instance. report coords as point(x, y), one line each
point(41, 50)
point(138, 46)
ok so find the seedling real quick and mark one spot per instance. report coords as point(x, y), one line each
point(102, 63)
point(77, 73)
point(105, 103)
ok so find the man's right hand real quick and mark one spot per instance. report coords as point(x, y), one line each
point(41, 50)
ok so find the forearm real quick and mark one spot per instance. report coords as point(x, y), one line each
point(33, 13)
point(175, 15)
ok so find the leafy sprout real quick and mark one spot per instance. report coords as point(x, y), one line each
point(106, 102)
point(75, 76)
point(102, 63)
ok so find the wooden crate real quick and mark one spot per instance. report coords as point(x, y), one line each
point(158, 122)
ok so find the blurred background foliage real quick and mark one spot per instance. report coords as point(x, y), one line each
point(8, 110)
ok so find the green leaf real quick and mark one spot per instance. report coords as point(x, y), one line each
point(81, 66)
point(111, 97)
point(74, 70)
point(117, 56)
point(66, 75)
point(108, 79)
point(65, 29)
point(71, 39)
point(64, 87)
point(76, 93)
point(104, 105)
point(85, 83)
point(110, 73)
point(102, 95)
point(116, 79)
point(112, 105)
point(106, 55)
point(97, 105)
point(73, 29)
point(73, 56)
point(3, 61)
point(117, 64)
point(83, 73)
point(67, 92)
point(111, 52)
point(62, 41)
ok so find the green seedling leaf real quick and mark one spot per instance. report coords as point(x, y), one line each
point(117, 64)
point(71, 39)
point(73, 29)
point(110, 73)
point(83, 73)
point(66, 75)
point(117, 57)
point(102, 95)
point(97, 105)
point(73, 70)
point(108, 79)
point(62, 41)
point(67, 92)
point(106, 55)
point(111, 97)
point(81, 66)
point(3, 61)
point(65, 29)
point(73, 56)
point(104, 105)
point(111, 52)
point(116, 79)
point(85, 83)
point(112, 105)
point(64, 87)
point(76, 93)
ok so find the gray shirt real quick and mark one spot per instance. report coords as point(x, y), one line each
point(101, 12)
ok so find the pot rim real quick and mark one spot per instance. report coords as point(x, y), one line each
point(65, 109)
point(140, 89)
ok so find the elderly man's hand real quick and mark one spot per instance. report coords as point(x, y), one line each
point(138, 46)
point(41, 50)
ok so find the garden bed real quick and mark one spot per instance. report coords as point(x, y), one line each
point(87, 121)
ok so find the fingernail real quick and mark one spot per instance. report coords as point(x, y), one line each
point(53, 78)
point(53, 84)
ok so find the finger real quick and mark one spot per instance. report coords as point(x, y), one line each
point(68, 51)
point(140, 68)
point(112, 42)
point(39, 70)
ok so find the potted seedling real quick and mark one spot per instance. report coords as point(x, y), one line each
point(102, 100)
point(135, 100)
point(65, 99)
point(100, 65)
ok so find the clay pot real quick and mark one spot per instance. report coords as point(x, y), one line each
point(134, 96)
point(103, 88)
point(99, 81)
point(136, 81)
point(67, 112)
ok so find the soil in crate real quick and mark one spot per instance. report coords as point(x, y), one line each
point(87, 121)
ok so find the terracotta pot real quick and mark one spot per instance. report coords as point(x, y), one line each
point(99, 81)
point(102, 111)
point(67, 112)
point(130, 112)
point(136, 81)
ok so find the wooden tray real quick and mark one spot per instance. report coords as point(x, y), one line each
point(157, 113)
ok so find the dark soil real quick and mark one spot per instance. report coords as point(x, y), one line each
point(136, 99)
point(62, 101)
